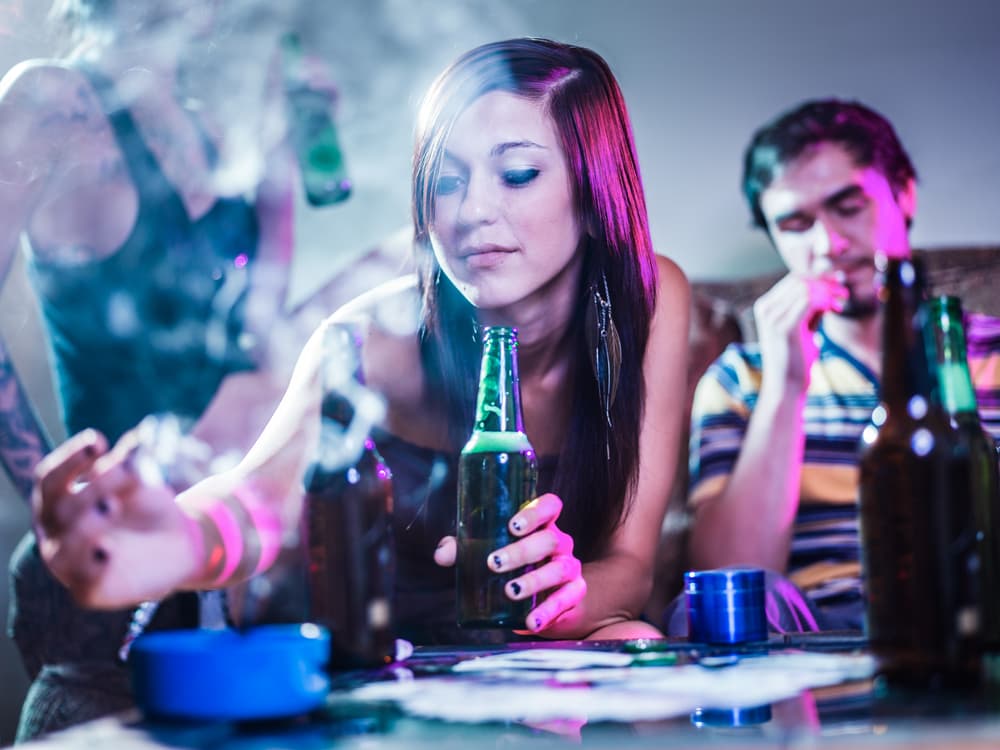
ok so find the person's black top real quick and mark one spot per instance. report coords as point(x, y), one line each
point(152, 328)
point(155, 326)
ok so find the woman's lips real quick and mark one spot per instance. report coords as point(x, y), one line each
point(485, 257)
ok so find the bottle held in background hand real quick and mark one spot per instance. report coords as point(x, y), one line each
point(497, 474)
point(312, 132)
point(975, 464)
point(917, 523)
point(348, 519)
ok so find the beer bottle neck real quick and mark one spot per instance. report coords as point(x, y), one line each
point(337, 407)
point(498, 404)
point(347, 408)
point(906, 373)
point(946, 331)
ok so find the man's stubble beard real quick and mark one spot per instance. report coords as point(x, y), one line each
point(859, 308)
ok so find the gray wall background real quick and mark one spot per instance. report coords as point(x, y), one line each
point(698, 77)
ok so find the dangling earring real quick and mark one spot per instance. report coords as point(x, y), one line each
point(605, 346)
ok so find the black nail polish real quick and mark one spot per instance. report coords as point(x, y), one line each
point(497, 561)
point(100, 556)
point(515, 587)
point(516, 525)
point(102, 506)
point(538, 623)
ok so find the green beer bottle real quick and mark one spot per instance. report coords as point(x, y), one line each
point(497, 474)
point(976, 463)
point(917, 532)
point(312, 133)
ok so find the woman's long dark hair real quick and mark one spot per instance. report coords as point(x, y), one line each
point(587, 107)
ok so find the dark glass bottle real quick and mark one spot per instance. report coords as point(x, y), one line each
point(976, 462)
point(312, 132)
point(917, 529)
point(348, 519)
point(497, 474)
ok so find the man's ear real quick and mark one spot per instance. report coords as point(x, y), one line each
point(906, 198)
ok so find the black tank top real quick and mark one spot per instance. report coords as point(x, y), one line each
point(152, 328)
point(157, 325)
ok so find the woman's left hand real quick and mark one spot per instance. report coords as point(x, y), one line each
point(548, 549)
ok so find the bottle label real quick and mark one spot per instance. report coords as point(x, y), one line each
point(956, 388)
point(967, 621)
point(378, 613)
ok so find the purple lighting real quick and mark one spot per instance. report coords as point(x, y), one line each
point(240, 260)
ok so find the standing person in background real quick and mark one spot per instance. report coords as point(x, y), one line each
point(775, 425)
point(528, 212)
point(159, 246)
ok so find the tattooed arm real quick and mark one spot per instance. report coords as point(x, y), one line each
point(23, 441)
point(29, 150)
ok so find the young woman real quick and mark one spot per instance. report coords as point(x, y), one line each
point(528, 212)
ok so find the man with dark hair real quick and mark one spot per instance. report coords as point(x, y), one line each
point(775, 424)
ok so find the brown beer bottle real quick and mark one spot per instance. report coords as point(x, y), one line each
point(975, 461)
point(497, 474)
point(348, 519)
point(917, 527)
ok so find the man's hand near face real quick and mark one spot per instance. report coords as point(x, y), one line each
point(750, 521)
point(786, 318)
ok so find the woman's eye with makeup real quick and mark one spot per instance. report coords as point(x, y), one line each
point(519, 177)
point(447, 184)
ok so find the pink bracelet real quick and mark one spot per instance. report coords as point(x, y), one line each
point(267, 525)
point(232, 538)
point(196, 535)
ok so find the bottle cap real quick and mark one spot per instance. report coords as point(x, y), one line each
point(725, 606)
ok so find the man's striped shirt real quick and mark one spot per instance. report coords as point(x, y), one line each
point(824, 557)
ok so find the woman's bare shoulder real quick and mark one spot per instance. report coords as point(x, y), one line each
point(671, 279)
point(672, 312)
point(43, 102)
point(47, 83)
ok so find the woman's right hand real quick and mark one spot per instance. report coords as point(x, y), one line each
point(108, 526)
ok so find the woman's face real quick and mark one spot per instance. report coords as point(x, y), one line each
point(505, 226)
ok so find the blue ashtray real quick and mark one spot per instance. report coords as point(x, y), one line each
point(271, 671)
point(725, 606)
